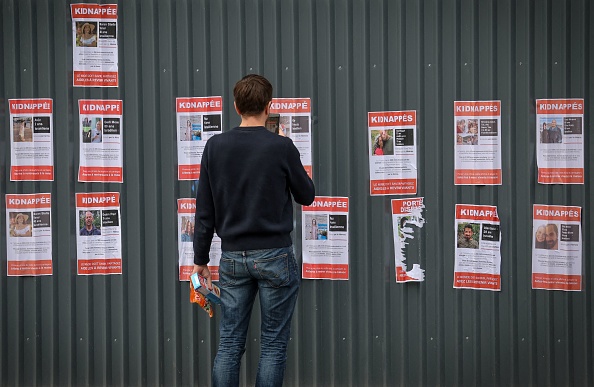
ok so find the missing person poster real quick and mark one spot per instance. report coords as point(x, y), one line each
point(99, 233)
point(295, 123)
point(478, 248)
point(186, 212)
point(477, 140)
point(392, 152)
point(29, 234)
point(557, 247)
point(198, 119)
point(95, 44)
point(326, 238)
point(31, 139)
point(560, 141)
point(407, 221)
point(101, 148)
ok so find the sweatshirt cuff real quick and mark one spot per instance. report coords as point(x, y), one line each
point(201, 260)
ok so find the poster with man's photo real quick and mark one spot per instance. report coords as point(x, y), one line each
point(295, 123)
point(98, 233)
point(325, 238)
point(31, 139)
point(477, 142)
point(478, 248)
point(95, 45)
point(560, 141)
point(198, 119)
point(407, 221)
point(392, 152)
point(186, 212)
point(29, 234)
point(101, 141)
point(557, 247)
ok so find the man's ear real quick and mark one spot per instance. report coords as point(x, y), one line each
point(267, 110)
point(236, 109)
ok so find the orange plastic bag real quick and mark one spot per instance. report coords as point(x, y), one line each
point(198, 298)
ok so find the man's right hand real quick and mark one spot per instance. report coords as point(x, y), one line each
point(204, 272)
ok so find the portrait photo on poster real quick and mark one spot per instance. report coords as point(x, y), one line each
point(89, 222)
point(20, 224)
point(468, 235)
point(316, 227)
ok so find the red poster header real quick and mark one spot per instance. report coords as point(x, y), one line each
point(199, 104)
point(94, 11)
point(567, 213)
point(473, 212)
point(290, 105)
point(402, 118)
point(100, 106)
point(560, 106)
point(477, 108)
point(98, 199)
point(21, 201)
point(186, 206)
point(328, 204)
point(34, 105)
point(406, 206)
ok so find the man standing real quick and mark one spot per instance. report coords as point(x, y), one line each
point(552, 236)
point(467, 241)
point(388, 143)
point(89, 228)
point(247, 178)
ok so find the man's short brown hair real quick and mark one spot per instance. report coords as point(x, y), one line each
point(252, 94)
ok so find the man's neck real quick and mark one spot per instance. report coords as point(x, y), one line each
point(259, 120)
point(90, 227)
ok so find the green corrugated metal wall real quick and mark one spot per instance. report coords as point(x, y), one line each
point(349, 57)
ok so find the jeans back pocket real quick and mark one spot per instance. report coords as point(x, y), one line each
point(226, 272)
point(275, 270)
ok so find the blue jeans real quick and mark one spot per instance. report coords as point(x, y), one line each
point(242, 274)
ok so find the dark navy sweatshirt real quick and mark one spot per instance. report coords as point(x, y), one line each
point(248, 177)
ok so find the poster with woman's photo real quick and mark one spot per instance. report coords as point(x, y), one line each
point(478, 248)
point(31, 139)
point(198, 119)
point(29, 234)
point(295, 123)
point(392, 152)
point(186, 210)
point(560, 141)
point(101, 141)
point(325, 238)
point(556, 247)
point(95, 45)
point(98, 233)
point(407, 221)
point(477, 142)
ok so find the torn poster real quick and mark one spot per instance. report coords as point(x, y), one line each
point(407, 220)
